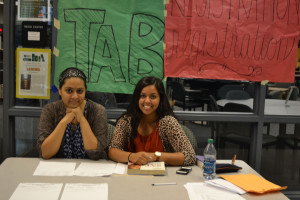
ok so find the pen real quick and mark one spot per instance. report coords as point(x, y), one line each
point(233, 159)
point(157, 184)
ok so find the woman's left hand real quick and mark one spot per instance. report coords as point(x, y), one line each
point(78, 112)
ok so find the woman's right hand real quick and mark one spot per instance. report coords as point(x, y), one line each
point(52, 143)
point(69, 117)
point(142, 158)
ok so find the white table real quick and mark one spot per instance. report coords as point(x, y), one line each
point(272, 106)
point(16, 170)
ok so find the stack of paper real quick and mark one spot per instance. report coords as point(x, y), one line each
point(202, 191)
point(49, 168)
point(51, 191)
point(79, 191)
point(252, 183)
point(121, 168)
point(223, 184)
point(37, 191)
point(95, 169)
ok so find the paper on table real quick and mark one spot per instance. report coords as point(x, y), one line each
point(120, 169)
point(49, 168)
point(37, 191)
point(221, 183)
point(252, 183)
point(200, 191)
point(79, 191)
point(95, 169)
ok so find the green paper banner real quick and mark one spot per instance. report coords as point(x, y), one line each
point(115, 43)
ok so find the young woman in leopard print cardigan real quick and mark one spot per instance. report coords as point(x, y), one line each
point(148, 130)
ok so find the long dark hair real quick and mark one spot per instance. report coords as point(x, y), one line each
point(134, 111)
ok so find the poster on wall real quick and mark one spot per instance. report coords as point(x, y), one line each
point(233, 40)
point(34, 34)
point(33, 73)
point(34, 10)
point(115, 43)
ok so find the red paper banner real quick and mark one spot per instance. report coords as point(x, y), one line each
point(251, 40)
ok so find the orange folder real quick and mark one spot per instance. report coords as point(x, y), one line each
point(252, 183)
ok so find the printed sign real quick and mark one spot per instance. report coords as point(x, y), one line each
point(34, 10)
point(33, 73)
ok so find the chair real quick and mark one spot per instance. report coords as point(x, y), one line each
point(222, 91)
point(110, 132)
point(235, 132)
point(213, 106)
point(204, 84)
point(291, 93)
point(235, 107)
point(237, 94)
point(240, 133)
point(296, 136)
point(250, 89)
point(190, 136)
point(108, 100)
point(31, 152)
point(182, 99)
point(123, 100)
point(292, 140)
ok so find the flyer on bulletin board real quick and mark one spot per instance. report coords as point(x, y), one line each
point(33, 10)
point(33, 73)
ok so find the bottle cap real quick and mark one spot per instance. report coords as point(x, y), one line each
point(210, 140)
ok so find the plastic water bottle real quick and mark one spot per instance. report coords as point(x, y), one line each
point(210, 156)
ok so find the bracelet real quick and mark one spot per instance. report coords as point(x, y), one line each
point(129, 156)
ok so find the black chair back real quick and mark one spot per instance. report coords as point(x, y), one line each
point(236, 107)
point(222, 91)
point(108, 100)
point(237, 94)
point(178, 93)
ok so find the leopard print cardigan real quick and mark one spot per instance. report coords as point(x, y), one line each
point(173, 137)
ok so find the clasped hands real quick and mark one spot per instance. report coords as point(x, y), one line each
point(142, 158)
point(74, 115)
